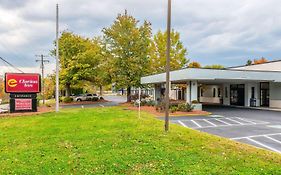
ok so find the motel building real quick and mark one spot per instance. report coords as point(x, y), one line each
point(249, 86)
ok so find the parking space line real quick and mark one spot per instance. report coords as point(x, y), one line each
point(207, 121)
point(273, 139)
point(235, 121)
point(180, 122)
point(223, 121)
point(246, 120)
point(263, 145)
point(196, 123)
point(239, 138)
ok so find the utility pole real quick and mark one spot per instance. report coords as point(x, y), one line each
point(57, 58)
point(167, 93)
point(42, 66)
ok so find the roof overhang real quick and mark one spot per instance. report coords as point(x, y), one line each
point(195, 74)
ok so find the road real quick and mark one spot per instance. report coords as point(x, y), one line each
point(112, 101)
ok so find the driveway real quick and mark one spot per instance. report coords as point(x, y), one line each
point(259, 128)
point(113, 100)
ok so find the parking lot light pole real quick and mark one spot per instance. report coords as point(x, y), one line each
point(167, 94)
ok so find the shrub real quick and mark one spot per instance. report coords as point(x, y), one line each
point(48, 105)
point(150, 103)
point(185, 107)
point(174, 109)
point(67, 99)
point(160, 107)
point(195, 102)
point(95, 99)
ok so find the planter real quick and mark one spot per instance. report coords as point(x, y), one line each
point(197, 106)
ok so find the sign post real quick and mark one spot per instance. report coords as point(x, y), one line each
point(23, 89)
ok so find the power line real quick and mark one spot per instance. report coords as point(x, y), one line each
point(42, 66)
point(11, 65)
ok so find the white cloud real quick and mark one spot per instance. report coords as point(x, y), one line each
point(217, 31)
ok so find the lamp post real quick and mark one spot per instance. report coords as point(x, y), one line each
point(167, 95)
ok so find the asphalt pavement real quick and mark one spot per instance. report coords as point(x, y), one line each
point(260, 128)
point(113, 100)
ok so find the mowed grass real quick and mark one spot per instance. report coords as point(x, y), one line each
point(116, 141)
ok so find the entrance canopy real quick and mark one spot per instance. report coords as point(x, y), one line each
point(211, 75)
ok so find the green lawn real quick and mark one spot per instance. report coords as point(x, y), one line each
point(115, 141)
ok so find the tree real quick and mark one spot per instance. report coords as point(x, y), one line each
point(2, 84)
point(49, 86)
point(194, 65)
point(128, 45)
point(79, 59)
point(4, 96)
point(158, 52)
point(249, 62)
point(105, 70)
point(214, 66)
point(260, 61)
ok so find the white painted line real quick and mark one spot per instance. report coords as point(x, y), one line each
point(238, 138)
point(266, 146)
point(235, 121)
point(273, 139)
point(259, 122)
point(180, 122)
point(223, 121)
point(209, 122)
point(246, 120)
point(196, 123)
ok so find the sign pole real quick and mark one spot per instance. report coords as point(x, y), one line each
point(57, 58)
point(167, 95)
point(139, 101)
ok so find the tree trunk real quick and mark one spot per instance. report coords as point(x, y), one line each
point(129, 94)
point(101, 90)
point(67, 90)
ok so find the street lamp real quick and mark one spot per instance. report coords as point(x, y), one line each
point(167, 95)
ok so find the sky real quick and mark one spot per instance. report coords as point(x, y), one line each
point(214, 32)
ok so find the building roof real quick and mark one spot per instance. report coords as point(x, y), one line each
point(242, 66)
point(218, 75)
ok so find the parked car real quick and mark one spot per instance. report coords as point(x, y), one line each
point(80, 97)
point(92, 97)
point(87, 97)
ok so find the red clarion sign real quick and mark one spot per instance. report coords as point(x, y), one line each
point(23, 104)
point(22, 83)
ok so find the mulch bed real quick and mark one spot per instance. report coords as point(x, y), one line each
point(153, 111)
point(83, 102)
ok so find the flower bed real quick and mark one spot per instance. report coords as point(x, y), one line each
point(152, 110)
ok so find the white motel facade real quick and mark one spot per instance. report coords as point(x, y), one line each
point(254, 85)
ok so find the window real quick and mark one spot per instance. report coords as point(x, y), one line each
point(253, 92)
point(226, 92)
point(214, 92)
point(201, 92)
point(219, 92)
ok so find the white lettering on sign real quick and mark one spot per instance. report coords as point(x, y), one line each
point(23, 104)
point(28, 83)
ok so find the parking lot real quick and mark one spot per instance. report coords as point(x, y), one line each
point(259, 128)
